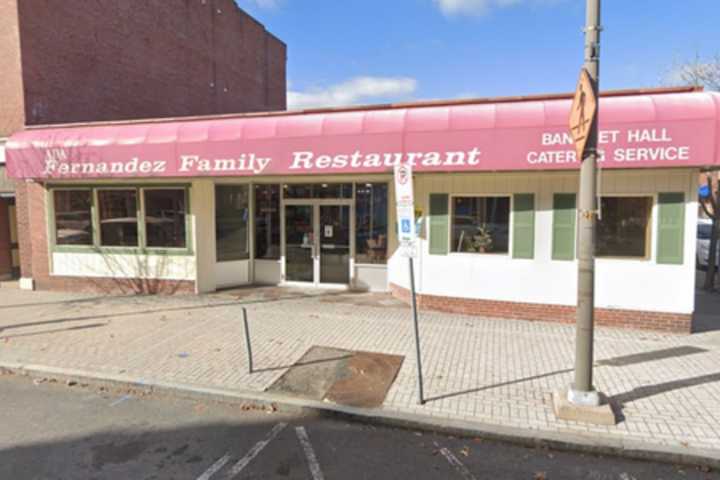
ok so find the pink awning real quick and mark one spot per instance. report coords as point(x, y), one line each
point(677, 129)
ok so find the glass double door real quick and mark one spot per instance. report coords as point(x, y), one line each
point(317, 243)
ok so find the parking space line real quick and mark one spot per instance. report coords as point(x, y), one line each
point(120, 400)
point(215, 467)
point(255, 450)
point(309, 453)
point(456, 464)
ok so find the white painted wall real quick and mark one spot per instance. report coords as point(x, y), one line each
point(163, 267)
point(268, 272)
point(202, 208)
point(232, 274)
point(624, 284)
point(373, 278)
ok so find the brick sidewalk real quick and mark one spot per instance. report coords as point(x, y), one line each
point(499, 372)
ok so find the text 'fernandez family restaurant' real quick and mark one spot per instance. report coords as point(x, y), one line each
point(304, 198)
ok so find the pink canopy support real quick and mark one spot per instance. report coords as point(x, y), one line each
point(676, 129)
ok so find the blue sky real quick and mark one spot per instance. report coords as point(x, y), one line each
point(343, 52)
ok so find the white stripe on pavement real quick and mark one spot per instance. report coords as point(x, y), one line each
point(309, 453)
point(457, 464)
point(215, 467)
point(254, 451)
point(120, 400)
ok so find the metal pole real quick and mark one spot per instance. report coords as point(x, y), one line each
point(582, 391)
point(421, 397)
point(248, 348)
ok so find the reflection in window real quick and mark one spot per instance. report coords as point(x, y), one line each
point(118, 218)
point(318, 190)
point(623, 230)
point(371, 222)
point(73, 217)
point(231, 222)
point(480, 224)
point(267, 222)
point(165, 218)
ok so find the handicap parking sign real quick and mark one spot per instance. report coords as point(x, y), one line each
point(406, 226)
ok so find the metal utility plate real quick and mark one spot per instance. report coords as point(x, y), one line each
point(358, 379)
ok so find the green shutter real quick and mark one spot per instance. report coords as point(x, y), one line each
point(524, 225)
point(564, 217)
point(671, 224)
point(439, 224)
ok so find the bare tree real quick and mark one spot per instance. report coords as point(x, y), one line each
point(699, 72)
point(705, 72)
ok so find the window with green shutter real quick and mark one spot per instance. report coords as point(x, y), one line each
point(524, 225)
point(439, 223)
point(564, 217)
point(671, 225)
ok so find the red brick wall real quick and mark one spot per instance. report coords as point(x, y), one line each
point(667, 322)
point(93, 60)
point(32, 230)
point(24, 225)
point(5, 250)
point(11, 89)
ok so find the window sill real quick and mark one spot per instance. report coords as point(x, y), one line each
point(479, 254)
point(625, 259)
point(123, 251)
point(372, 265)
point(232, 260)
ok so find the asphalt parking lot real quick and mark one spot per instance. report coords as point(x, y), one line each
point(55, 431)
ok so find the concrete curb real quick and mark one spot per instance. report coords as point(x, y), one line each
point(461, 428)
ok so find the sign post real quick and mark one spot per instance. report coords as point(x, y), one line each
point(584, 130)
point(405, 205)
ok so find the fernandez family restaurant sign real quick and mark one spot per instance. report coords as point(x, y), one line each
point(684, 144)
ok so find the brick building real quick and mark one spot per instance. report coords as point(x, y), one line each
point(103, 60)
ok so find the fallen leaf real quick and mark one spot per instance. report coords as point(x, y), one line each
point(539, 476)
point(465, 451)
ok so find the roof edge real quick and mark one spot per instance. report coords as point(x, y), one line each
point(379, 106)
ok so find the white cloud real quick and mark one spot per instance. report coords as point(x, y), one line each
point(352, 92)
point(482, 7)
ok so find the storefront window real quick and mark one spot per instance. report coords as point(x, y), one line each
point(118, 218)
point(624, 229)
point(73, 217)
point(318, 190)
point(267, 222)
point(231, 222)
point(165, 218)
point(480, 224)
point(371, 222)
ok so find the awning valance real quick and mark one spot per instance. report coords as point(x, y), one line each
point(637, 131)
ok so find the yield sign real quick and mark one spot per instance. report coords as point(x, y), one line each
point(583, 112)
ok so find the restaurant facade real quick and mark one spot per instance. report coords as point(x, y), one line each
point(306, 199)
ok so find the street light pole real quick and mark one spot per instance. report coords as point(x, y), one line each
point(582, 391)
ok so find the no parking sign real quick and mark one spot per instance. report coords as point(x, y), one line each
point(405, 208)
